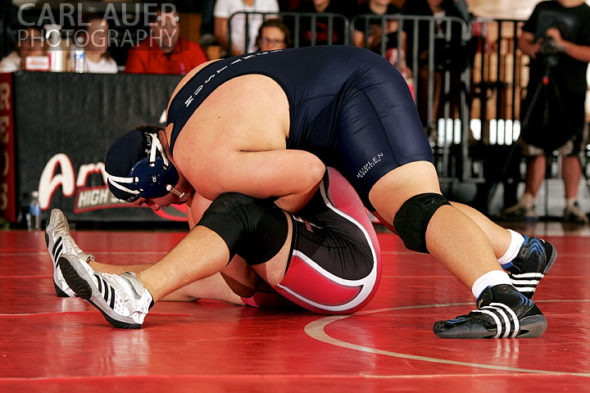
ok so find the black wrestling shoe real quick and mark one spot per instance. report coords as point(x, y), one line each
point(503, 312)
point(534, 259)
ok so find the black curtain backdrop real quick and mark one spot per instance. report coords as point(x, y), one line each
point(79, 115)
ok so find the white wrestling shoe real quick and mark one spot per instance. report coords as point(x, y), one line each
point(59, 241)
point(122, 299)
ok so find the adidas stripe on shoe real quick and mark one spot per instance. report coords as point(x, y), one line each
point(534, 259)
point(122, 299)
point(503, 312)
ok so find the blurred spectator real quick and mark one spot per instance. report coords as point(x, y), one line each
point(207, 29)
point(272, 35)
point(288, 5)
point(164, 52)
point(450, 54)
point(29, 43)
point(225, 8)
point(373, 27)
point(320, 34)
point(97, 57)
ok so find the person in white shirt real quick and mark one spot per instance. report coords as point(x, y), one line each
point(98, 59)
point(29, 43)
point(225, 8)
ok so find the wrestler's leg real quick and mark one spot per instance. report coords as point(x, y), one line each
point(228, 227)
point(213, 288)
point(216, 287)
point(379, 130)
point(460, 245)
point(235, 281)
point(527, 259)
point(457, 249)
point(499, 237)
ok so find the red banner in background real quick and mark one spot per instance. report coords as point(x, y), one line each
point(7, 182)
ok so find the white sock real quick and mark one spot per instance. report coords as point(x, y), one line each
point(515, 243)
point(490, 279)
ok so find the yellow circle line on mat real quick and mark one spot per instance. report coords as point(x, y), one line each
point(316, 330)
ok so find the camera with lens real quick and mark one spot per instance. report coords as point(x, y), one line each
point(550, 51)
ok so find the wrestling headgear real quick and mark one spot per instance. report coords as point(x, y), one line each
point(137, 167)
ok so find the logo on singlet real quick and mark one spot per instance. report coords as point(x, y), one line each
point(369, 165)
point(191, 98)
point(188, 101)
point(308, 225)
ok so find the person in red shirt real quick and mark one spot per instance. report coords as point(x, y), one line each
point(164, 52)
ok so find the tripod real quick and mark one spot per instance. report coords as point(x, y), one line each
point(546, 94)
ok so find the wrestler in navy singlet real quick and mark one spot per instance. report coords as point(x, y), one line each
point(348, 106)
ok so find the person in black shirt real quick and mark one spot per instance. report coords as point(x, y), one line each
point(557, 39)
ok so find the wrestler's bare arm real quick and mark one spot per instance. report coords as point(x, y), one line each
point(291, 175)
point(236, 142)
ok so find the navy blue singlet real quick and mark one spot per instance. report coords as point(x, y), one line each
point(348, 106)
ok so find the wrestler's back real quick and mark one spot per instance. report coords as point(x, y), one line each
point(236, 117)
point(307, 82)
point(291, 108)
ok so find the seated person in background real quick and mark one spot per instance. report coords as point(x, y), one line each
point(288, 5)
point(372, 26)
point(29, 43)
point(373, 29)
point(224, 10)
point(98, 59)
point(272, 35)
point(321, 36)
point(164, 52)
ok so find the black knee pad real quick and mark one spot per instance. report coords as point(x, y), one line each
point(252, 228)
point(413, 217)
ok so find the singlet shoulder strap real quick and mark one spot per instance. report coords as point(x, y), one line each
point(183, 106)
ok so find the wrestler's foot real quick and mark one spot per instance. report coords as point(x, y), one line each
point(59, 241)
point(122, 299)
point(534, 259)
point(503, 312)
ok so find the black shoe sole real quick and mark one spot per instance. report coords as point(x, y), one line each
point(530, 327)
point(58, 291)
point(551, 260)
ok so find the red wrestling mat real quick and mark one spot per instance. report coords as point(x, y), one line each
point(51, 344)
